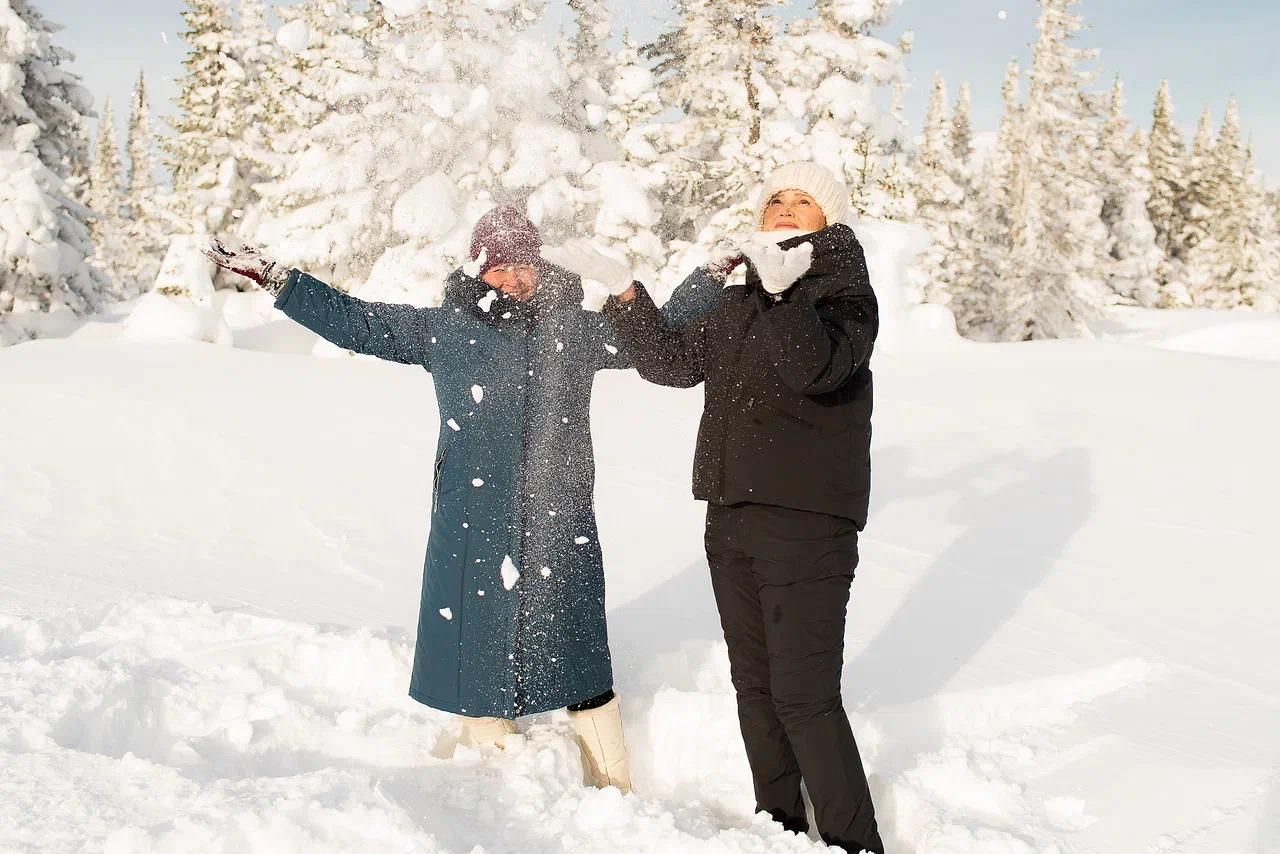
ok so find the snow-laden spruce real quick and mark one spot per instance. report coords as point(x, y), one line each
point(44, 239)
point(407, 125)
point(220, 145)
point(1133, 258)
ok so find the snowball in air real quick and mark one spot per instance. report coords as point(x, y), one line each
point(447, 613)
point(477, 393)
point(294, 36)
point(477, 482)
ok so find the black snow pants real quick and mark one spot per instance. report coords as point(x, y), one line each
point(781, 579)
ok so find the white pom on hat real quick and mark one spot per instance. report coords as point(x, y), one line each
point(808, 177)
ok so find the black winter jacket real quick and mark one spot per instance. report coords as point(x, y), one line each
point(787, 414)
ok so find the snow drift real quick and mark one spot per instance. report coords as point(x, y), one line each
point(1061, 636)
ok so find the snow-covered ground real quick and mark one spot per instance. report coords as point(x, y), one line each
point(1062, 636)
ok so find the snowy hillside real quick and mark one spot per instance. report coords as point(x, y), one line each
point(1061, 639)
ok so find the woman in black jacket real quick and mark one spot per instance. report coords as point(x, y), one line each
point(783, 460)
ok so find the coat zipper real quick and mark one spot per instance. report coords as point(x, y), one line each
point(524, 523)
point(724, 433)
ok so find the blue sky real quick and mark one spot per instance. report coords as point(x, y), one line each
point(1207, 51)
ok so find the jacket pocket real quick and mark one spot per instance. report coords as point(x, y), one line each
point(435, 482)
point(786, 416)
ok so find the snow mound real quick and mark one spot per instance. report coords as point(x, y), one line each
point(1047, 645)
point(155, 724)
point(927, 326)
point(157, 316)
point(21, 326)
point(1255, 338)
point(1238, 334)
point(181, 303)
point(890, 249)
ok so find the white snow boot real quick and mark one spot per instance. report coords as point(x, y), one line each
point(487, 732)
point(604, 749)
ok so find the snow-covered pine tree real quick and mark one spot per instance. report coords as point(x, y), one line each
point(1239, 286)
point(589, 63)
point(106, 198)
point(1135, 236)
point(318, 213)
point(937, 197)
point(633, 102)
point(459, 110)
point(1125, 180)
point(1269, 224)
point(105, 194)
point(843, 86)
point(584, 102)
point(1201, 203)
point(218, 150)
point(1166, 158)
point(145, 229)
point(1056, 287)
point(987, 254)
point(255, 50)
point(44, 239)
point(54, 96)
point(142, 183)
point(201, 123)
point(590, 50)
point(965, 262)
point(628, 183)
point(1257, 270)
point(1232, 266)
point(81, 161)
point(325, 53)
point(962, 135)
point(709, 67)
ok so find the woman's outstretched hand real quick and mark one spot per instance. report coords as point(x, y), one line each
point(778, 268)
point(250, 263)
point(579, 257)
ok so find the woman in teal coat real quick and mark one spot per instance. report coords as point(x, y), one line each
point(512, 620)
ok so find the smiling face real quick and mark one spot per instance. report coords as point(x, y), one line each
point(794, 210)
point(518, 281)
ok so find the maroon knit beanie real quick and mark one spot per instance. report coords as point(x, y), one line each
point(507, 237)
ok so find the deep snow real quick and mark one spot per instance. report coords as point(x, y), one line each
point(1061, 637)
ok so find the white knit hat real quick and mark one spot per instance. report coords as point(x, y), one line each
point(808, 177)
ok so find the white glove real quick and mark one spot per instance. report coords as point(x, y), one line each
point(578, 256)
point(778, 268)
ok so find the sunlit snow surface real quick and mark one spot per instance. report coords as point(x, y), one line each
point(1061, 638)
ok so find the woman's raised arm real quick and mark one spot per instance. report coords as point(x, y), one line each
point(397, 333)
